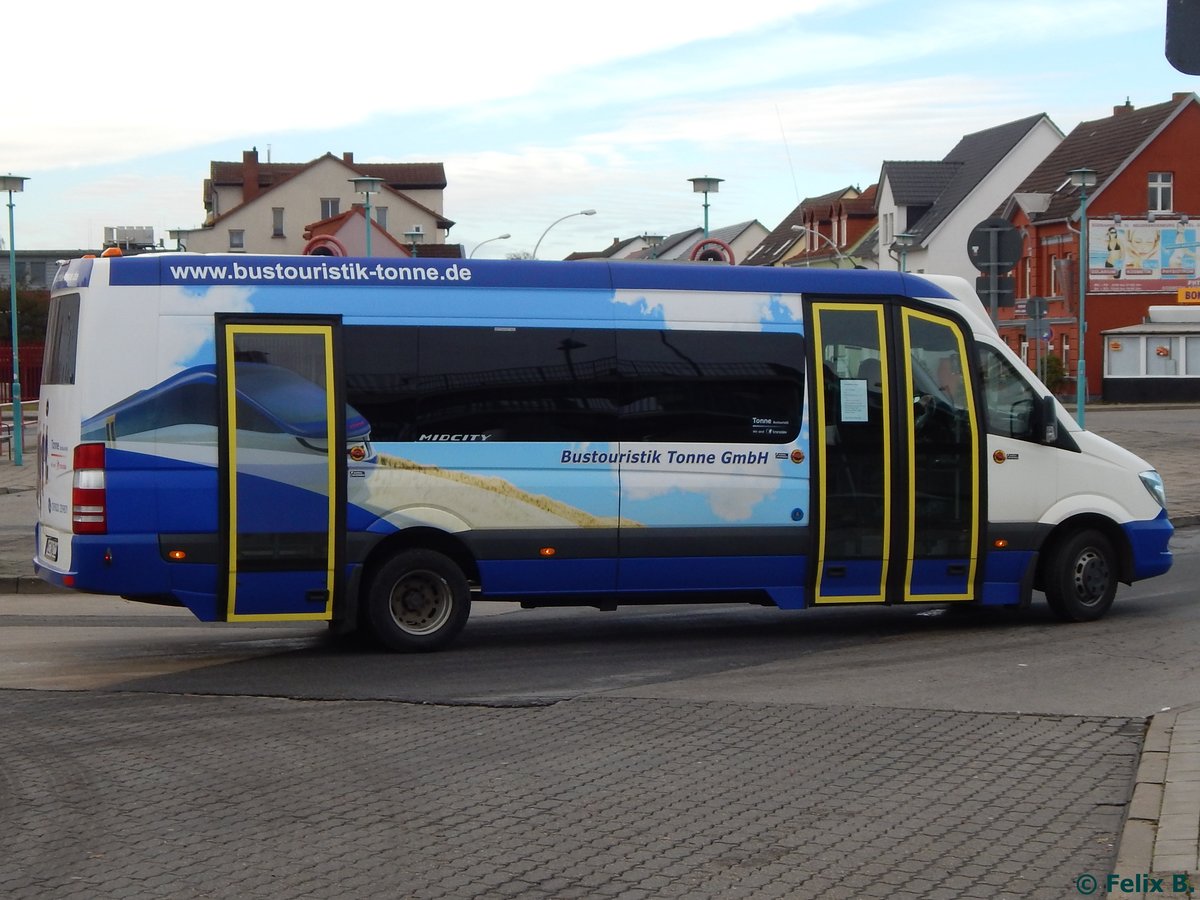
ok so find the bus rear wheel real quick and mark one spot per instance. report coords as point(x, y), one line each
point(418, 601)
point(1081, 577)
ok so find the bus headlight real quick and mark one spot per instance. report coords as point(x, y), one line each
point(1154, 484)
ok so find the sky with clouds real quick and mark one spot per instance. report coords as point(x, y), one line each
point(540, 108)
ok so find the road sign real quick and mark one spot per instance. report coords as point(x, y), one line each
point(1035, 331)
point(1183, 23)
point(994, 246)
point(1001, 292)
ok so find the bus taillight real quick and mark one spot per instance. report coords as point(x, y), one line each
point(89, 499)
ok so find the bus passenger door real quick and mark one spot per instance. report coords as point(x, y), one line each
point(944, 476)
point(899, 478)
point(852, 425)
point(283, 469)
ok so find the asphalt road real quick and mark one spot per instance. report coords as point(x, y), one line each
point(1137, 660)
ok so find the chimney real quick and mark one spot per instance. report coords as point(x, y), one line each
point(249, 174)
point(1180, 96)
point(1124, 109)
point(348, 158)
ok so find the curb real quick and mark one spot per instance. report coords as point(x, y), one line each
point(1160, 837)
point(30, 584)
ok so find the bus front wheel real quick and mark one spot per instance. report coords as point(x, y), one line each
point(418, 600)
point(1081, 577)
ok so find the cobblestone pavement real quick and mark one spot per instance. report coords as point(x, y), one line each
point(136, 795)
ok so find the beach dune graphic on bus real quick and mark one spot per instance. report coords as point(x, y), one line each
point(380, 445)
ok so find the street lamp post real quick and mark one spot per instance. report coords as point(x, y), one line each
point(500, 237)
point(705, 186)
point(367, 185)
point(414, 238)
point(904, 241)
point(1083, 178)
point(804, 229)
point(14, 184)
point(582, 212)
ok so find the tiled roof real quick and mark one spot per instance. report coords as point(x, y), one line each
point(772, 248)
point(669, 247)
point(1104, 145)
point(943, 186)
point(439, 251)
point(607, 253)
point(918, 183)
point(680, 246)
point(397, 176)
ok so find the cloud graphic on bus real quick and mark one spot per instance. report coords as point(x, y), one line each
point(185, 334)
point(737, 494)
point(698, 310)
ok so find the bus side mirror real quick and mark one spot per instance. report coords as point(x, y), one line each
point(1049, 419)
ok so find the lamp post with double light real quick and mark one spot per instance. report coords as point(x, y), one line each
point(414, 238)
point(903, 243)
point(1082, 178)
point(367, 185)
point(14, 184)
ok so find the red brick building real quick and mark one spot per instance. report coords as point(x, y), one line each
point(1142, 215)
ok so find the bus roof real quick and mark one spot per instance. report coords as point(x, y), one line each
point(246, 269)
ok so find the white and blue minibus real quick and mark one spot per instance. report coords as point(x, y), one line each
point(379, 443)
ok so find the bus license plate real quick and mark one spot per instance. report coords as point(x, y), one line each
point(51, 552)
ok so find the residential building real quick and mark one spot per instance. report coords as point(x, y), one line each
point(1142, 216)
point(927, 209)
point(835, 229)
point(345, 235)
point(740, 239)
point(266, 207)
point(620, 248)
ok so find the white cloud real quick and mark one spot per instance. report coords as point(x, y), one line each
point(192, 75)
point(534, 114)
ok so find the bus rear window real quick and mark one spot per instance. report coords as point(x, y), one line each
point(62, 339)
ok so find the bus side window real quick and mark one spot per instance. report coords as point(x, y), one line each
point(1009, 400)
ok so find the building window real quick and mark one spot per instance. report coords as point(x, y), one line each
point(237, 239)
point(1054, 290)
point(329, 207)
point(31, 273)
point(277, 221)
point(1162, 355)
point(381, 216)
point(1159, 194)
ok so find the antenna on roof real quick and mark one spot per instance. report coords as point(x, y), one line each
point(787, 150)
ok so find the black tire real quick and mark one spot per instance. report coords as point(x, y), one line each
point(1080, 577)
point(419, 600)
